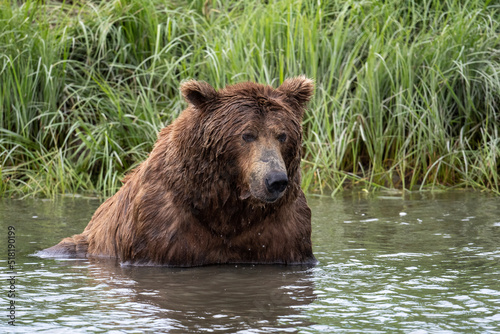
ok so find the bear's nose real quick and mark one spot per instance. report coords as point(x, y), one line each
point(276, 182)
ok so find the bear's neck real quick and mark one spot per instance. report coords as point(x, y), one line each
point(220, 208)
point(214, 198)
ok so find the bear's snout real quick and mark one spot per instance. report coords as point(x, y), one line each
point(268, 179)
point(276, 182)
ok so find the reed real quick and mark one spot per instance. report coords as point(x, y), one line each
point(407, 94)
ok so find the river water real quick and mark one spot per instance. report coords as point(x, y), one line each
point(388, 263)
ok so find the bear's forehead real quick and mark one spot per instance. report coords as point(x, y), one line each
point(248, 88)
point(250, 103)
point(250, 91)
point(259, 102)
point(262, 111)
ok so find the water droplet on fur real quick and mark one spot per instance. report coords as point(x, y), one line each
point(263, 246)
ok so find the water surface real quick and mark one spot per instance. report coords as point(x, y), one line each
point(421, 263)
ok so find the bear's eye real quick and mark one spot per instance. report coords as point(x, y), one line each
point(282, 137)
point(248, 137)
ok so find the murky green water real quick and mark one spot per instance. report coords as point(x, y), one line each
point(426, 263)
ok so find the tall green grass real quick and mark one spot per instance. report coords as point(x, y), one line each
point(407, 95)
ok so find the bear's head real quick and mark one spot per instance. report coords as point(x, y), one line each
point(251, 134)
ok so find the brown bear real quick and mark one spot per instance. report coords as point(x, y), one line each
point(221, 185)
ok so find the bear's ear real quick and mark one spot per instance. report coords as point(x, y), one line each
point(298, 89)
point(198, 93)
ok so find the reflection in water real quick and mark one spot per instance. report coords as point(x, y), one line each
point(421, 263)
point(226, 298)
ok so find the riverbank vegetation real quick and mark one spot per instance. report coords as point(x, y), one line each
point(407, 92)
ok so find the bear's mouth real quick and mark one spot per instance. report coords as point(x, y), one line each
point(265, 197)
point(261, 194)
point(245, 194)
point(273, 199)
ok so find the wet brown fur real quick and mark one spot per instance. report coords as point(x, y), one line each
point(190, 202)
